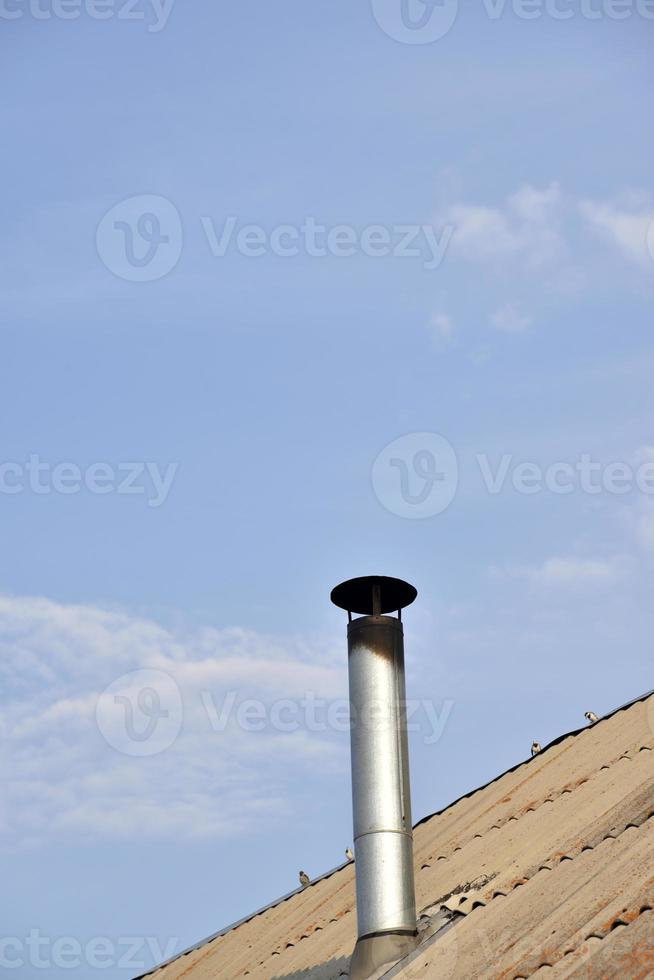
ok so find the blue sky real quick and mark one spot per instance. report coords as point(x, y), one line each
point(234, 408)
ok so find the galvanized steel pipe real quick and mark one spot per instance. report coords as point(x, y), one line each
point(381, 796)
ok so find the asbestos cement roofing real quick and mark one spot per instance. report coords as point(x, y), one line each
point(548, 871)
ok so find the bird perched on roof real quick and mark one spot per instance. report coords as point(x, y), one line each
point(348, 854)
point(535, 748)
point(304, 879)
point(592, 717)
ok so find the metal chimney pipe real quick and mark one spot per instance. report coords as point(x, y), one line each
point(381, 798)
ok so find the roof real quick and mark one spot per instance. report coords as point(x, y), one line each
point(547, 871)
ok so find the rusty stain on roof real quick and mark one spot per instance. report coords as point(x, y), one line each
point(548, 871)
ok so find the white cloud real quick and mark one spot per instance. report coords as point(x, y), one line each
point(442, 331)
point(535, 205)
point(536, 228)
point(509, 319)
point(625, 225)
point(60, 776)
point(572, 571)
point(481, 232)
point(568, 572)
point(640, 520)
point(527, 228)
point(541, 245)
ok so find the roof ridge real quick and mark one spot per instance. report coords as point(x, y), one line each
point(516, 815)
point(328, 874)
point(525, 762)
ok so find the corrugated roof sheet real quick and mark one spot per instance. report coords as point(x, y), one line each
point(549, 870)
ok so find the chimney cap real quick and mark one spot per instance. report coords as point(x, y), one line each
point(362, 595)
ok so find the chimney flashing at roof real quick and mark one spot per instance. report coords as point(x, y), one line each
point(432, 929)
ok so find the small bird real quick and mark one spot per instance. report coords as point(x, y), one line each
point(592, 717)
point(304, 879)
point(535, 748)
point(348, 854)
